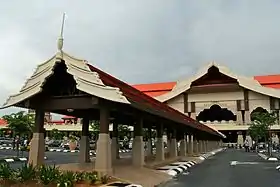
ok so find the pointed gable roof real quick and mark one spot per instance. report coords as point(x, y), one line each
point(246, 82)
point(87, 80)
point(93, 81)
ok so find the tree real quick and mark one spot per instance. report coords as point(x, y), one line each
point(94, 125)
point(20, 123)
point(260, 126)
point(56, 134)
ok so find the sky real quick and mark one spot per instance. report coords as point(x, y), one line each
point(140, 41)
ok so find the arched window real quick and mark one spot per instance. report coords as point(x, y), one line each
point(257, 110)
point(216, 113)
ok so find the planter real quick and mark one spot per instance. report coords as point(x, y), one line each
point(72, 145)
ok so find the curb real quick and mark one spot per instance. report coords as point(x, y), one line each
point(77, 151)
point(267, 158)
point(123, 184)
point(212, 153)
point(20, 159)
point(1, 148)
point(177, 168)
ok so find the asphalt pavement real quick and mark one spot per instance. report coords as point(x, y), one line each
point(53, 158)
point(231, 168)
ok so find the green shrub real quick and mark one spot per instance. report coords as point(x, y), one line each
point(48, 174)
point(104, 179)
point(26, 173)
point(79, 176)
point(66, 179)
point(91, 177)
point(6, 172)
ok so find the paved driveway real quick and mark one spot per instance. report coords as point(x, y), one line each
point(232, 168)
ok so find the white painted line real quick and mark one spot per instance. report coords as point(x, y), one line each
point(134, 185)
point(171, 172)
point(167, 167)
point(278, 167)
point(23, 159)
point(201, 158)
point(233, 163)
point(272, 159)
point(9, 160)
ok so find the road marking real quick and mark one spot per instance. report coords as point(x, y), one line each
point(233, 163)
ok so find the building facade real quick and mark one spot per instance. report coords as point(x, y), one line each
point(221, 99)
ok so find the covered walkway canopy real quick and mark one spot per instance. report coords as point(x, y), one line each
point(70, 86)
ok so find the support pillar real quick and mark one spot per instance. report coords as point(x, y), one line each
point(168, 143)
point(240, 140)
point(103, 162)
point(173, 145)
point(160, 144)
point(84, 143)
point(247, 117)
point(239, 119)
point(37, 147)
point(201, 146)
point(138, 154)
point(190, 144)
point(207, 146)
point(183, 146)
point(196, 147)
point(115, 143)
point(149, 142)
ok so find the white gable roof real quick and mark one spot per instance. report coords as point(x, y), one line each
point(87, 81)
point(246, 82)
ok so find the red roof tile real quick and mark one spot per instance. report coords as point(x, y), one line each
point(151, 104)
point(268, 79)
point(3, 122)
point(68, 117)
point(157, 89)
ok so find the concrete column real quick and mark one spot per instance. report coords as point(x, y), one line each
point(201, 146)
point(149, 143)
point(205, 146)
point(247, 117)
point(37, 147)
point(159, 144)
point(239, 119)
point(84, 142)
point(115, 143)
point(249, 140)
point(190, 145)
point(168, 143)
point(138, 154)
point(103, 162)
point(173, 145)
point(196, 147)
point(240, 140)
point(183, 146)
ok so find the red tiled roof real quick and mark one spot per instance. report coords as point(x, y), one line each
point(68, 117)
point(57, 122)
point(151, 104)
point(272, 81)
point(157, 89)
point(3, 122)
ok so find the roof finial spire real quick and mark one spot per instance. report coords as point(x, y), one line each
point(60, 38)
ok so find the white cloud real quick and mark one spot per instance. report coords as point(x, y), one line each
point(140, 41)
